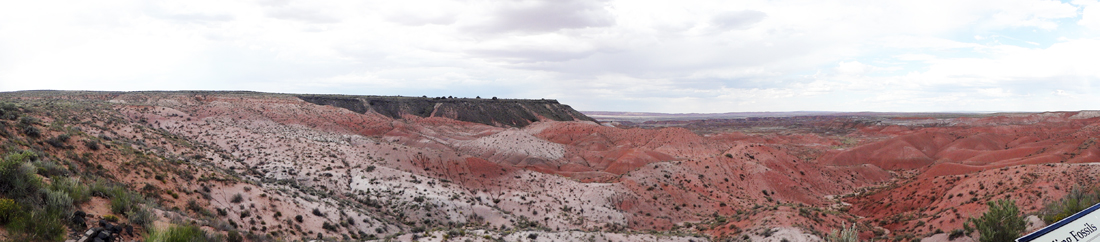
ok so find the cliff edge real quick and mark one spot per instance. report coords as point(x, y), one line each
point(497, 112)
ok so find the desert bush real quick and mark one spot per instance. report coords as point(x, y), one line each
point(956, 233)
point(234, 236)
point(237, 198)
point(8, 210)
point(26, 125)
point(49, 168)
point(110, 218)
point(59, 141)
point(91, 144)
point(17, 177)
point(73, 187)
point(178, 233)
point(141, 216)
point(58, 202)
point(1077, 200)
point(122, 200)
point(38, 225)
point(850, 234)
point(9, 111)
point(1001, 223)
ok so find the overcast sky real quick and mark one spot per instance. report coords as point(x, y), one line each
point(628, 55)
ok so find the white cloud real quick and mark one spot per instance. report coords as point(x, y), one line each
point(693, 55)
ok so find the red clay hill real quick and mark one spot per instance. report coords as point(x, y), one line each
point(405, 168)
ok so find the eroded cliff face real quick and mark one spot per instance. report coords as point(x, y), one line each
point(496, 112)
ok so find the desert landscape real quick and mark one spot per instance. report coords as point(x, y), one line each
point(249, 166)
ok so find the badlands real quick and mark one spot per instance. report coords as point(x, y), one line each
point(284, 167)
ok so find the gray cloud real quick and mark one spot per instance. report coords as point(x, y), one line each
point(532, 55)
point(738, 19)
point(547, 16)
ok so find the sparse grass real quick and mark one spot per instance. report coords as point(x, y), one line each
point(58, 202)
point(850, 234)
point(122, 200)
point(73, 187)
point(38, 225)
point(141, 216)
point(178, 233)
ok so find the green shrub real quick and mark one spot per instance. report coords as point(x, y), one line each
point(141, 216)
point(1078, 199)
point(91, 144)
point(50, 168)
point(956, 233)
point(38, 226)
point(100, 188)
point(1002, 223)
point(58, 202)
point(110, 218)
point(17, 177)
point(234, 236)
point(8, 210)
point(178, 233)
point(237, 198)
point(77, 191)
point(850, 234)
point(122, 200)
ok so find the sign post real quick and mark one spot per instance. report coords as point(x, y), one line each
point(1081, 227)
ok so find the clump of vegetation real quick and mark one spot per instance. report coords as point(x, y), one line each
point(17, 177)
point(178, 233)
point(91, 144)
point(123, 200)
point(26, 125)
point(58, 202)
point(1077, 200)
point(141, 216)
point(237, 198)
point(73, 187)
point(59, 141)
point(8, 210)
point(850, 234)
point(30, 209)
point(1003, 222)
point(38, 225)
point(234, 236)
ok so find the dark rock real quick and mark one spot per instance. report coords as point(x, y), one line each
point(502, 112)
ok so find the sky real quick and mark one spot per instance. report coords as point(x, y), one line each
point(687, 56)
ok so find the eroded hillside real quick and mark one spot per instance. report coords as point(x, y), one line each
point(344, 168)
